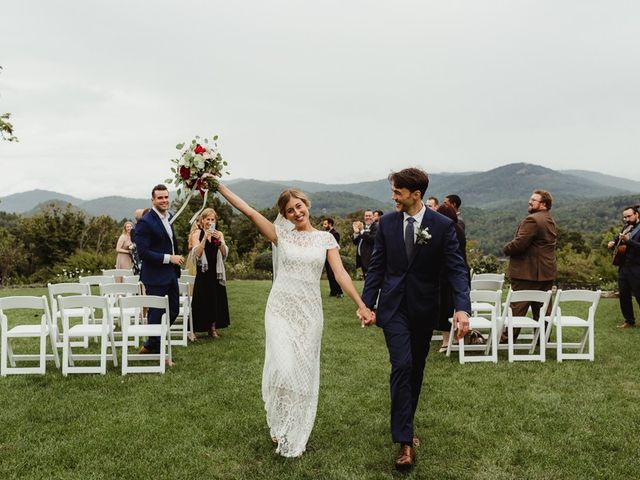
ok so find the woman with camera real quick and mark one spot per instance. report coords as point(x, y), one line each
point(209, 305)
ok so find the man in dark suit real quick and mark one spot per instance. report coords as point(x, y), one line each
point(364, 235)
point(532, 252)
point(629, 265)
point(157, 247)
point(413, 247)
point(334, 287)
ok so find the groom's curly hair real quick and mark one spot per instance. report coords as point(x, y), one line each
point(410, 178)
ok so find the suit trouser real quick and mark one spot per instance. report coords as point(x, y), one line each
point(520, 308)
point(334, 287)
point(628, 285)
point(155, 314)
point(408, 344)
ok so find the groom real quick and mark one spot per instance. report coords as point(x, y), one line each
point(414, 249)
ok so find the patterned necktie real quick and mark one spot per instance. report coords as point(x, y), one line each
point(408, 236)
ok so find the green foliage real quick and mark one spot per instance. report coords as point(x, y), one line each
point(264, 261)
point(84, 262)
point(12, 256)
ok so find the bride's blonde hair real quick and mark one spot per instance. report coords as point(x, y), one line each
point(289, 193)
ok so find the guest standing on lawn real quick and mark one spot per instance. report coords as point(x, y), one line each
point(209, 306)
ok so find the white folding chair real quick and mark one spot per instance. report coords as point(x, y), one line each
point(537, 326)
point(96, 280)
point(499, 277)
point(57, 289)
point(183, 325)
point(131, 279)
point(117, 272)
point(103, 330)
point(148, 330)
point(42, 331)
point(485, 322)
point(589, 299)
point(487, 284)
point(113, 292)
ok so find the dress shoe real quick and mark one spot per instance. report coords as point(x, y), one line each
point(144, 351)
point(406, 458)
point(627, 325)
point(213, 333)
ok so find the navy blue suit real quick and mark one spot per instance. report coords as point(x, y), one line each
point(159, 278)
point(407, 305)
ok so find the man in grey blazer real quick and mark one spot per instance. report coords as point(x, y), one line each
point(532, 252)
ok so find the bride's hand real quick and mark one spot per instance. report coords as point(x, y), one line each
point(366, 317)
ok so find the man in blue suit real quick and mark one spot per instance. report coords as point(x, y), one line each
point(412, 247)
point(157, 247)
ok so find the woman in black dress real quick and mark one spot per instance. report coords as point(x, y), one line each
point(446, 293)
point(209, 305)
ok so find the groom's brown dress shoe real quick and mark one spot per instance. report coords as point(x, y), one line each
point(406, 458)
point(144, 350)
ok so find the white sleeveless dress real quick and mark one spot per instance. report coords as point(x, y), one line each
point(293, 325)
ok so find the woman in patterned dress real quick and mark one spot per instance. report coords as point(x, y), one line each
point(293, 317)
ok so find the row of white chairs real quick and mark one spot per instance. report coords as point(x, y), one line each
point(56, 323)
point(48, 331)
point(491, 317)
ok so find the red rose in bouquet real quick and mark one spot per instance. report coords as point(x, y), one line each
point(199, 149)
point(185, 173)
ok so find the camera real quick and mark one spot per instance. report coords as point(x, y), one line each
point(211, 227)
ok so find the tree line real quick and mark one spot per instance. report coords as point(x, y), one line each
point(60, 243)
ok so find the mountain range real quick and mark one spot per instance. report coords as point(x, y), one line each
point(500, 187)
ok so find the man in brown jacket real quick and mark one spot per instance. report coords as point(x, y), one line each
point(532, 252)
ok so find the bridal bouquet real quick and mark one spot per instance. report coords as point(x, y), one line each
point(198, 166)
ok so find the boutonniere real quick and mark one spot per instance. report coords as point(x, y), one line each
point(422, 236)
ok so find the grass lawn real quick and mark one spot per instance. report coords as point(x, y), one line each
point(205, 419)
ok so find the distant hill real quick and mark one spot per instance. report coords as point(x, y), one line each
point(507, 187)
point(24, 201)
point(608, 180)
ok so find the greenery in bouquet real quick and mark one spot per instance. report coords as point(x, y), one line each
point(199, 166)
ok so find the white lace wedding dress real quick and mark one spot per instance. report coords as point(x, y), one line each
point(293, 324)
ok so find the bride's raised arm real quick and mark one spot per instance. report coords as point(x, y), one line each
point(265, 227)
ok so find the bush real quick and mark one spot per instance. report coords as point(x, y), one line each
point(83, 263)
point(263, 261)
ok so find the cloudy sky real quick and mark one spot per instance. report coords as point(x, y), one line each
point(333, 90)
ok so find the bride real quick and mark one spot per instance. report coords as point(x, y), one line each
point(293, 317)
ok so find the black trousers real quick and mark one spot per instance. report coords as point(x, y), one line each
point(629, 285)
point(334, 287)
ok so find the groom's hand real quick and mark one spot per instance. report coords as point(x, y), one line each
point(461, 323)
point(366, 317)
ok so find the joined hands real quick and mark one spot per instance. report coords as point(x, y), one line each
point(366, 316)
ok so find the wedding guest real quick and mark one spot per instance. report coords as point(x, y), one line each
point(209, 304)
point(293, 317)
point(334, 286)
point(377, 214)
point(364, 235)
point(455, 201)
point(157, 245)
point(628, 264)
point(446, 292)
point(433, 203)
point(123, 249)
point(532, 255)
